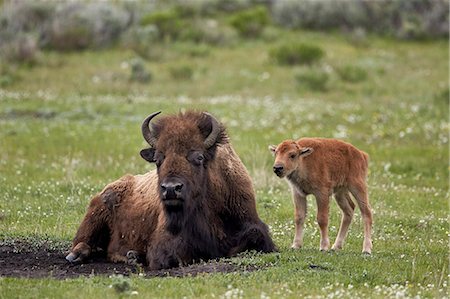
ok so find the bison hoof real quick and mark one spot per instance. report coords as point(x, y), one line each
point(74, 258)
point(132, 257)
point(79, 253)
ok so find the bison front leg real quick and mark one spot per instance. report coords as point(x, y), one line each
point(254, 236)
point(163, 259)
point(80, 252)
point(162, 252)
point(92, 233)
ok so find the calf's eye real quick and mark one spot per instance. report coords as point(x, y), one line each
point(292, 156)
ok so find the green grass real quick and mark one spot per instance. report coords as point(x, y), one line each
point(71, 124)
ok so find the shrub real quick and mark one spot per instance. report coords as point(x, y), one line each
point(142, 40)
point(350, 73)
point(400, 18)
point(297, 53)
point(23, 25)
point(411, 29)
point(168, 23)
point(71, 34)
point(138, 71)
point(213, 7)
point(65, 25)
point(270, 34)
point(26, 16)
point(8, 75)
point(194, 50)
point(250, 22)
point(436, 19)
point(208, 8)
point(199, 51)
point(86, 25)
point(442, 97)
point(358, 37)
point(307, 14)
point(313, 79)
point(22, 48)
point(181, 72)
point(207, 31)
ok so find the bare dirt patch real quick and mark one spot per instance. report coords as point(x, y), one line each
point(24, 258)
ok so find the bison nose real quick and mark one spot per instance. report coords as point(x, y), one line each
point(278, 169)
point(171, 189)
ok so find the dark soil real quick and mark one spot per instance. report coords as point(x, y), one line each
point(22, 258)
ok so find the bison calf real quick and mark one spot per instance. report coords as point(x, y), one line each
point(323, 167)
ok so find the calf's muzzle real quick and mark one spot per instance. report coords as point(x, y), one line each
point(278, 169)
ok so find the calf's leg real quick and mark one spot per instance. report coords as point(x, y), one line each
point(347, 206)
point(359, 191)
point(323, 203)
point(299, 214)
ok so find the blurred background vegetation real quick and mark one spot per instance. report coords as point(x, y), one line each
point(28, 27)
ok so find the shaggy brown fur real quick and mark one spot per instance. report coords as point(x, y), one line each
point(323, 167)
point(198, 204)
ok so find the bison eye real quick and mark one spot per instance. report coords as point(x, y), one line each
point(196, 158)
point(292, 156)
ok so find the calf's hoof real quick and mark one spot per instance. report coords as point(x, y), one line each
point(324, 246)
point(296, 246)
point(336, 247)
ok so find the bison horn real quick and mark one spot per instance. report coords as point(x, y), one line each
point(147, 132)
point(215, 130)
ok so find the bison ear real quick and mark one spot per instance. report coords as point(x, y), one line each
point(306, 151)
point(272, 149)
point(148, 154)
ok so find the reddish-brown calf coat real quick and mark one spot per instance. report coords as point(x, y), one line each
point(332, 164)
point(324, 167)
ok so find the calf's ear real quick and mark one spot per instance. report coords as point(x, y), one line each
point(306, 151)
point(148, 154)
point(272, 148)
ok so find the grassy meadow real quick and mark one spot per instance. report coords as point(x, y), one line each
point(71, 123)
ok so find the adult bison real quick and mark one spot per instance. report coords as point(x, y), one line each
point(199, 204)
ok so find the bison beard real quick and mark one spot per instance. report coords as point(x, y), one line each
point(199, 204)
